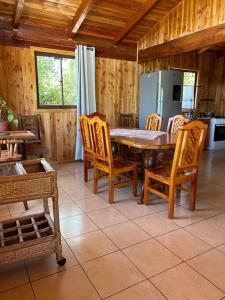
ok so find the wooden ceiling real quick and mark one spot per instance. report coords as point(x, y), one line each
point(112, 26)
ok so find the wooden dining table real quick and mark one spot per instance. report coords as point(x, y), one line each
point(148, 142)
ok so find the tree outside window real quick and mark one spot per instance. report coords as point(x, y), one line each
point(56, 80)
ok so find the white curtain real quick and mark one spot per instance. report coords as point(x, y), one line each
point(86, 102)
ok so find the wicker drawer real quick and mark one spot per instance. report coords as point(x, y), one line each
point(26, 237)
point(27, 180)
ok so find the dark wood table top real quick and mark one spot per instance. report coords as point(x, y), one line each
point(130, 137)
point(17, 134)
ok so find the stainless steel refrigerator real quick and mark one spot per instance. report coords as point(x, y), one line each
point(160, 92)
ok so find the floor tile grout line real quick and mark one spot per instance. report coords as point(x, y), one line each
point(205, 278)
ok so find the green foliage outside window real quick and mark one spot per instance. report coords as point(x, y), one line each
point(56, 80)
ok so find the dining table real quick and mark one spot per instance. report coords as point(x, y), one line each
point(148, 143)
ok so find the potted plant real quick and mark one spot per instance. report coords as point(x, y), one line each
point(6, 116)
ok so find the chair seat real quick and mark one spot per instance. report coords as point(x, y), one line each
point(120, 166)
point(36, 149)
point(162, 174)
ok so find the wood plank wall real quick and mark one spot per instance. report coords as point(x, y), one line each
point(187, 17)
point(116, 86)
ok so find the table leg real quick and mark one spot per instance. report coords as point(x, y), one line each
point(149, 160)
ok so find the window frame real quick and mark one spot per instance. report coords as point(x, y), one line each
point(195, 85)
point(43, 106)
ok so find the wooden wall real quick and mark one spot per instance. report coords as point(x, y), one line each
point(187, 17)
point(116, 86)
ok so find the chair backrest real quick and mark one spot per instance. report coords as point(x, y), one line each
point(153, 122)
point(175, 123)
point(189, 146)
point(100, 134)
point(86, 133)
point(97, 114)
point(125, 120)
point(33, 124)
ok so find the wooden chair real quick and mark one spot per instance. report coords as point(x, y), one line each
point(86, 139)
point(185, 166)
point(104, 161)
point(87, 146)
point(35, 146)
point(125, 120)
point(97, 114)
point(153, 122)
point(175, 123)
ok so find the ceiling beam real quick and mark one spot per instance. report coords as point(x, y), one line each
point(204, 49)
point(80, 15)
point(18, 13)
point(135, 19)
point(26, 37)
point(199, 39)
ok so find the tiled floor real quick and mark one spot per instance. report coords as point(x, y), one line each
point(127, 251)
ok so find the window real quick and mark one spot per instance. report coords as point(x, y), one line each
point(189, 87)
point(56, 80)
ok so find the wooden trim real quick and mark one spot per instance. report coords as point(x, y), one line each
point(18, 13)
point(135, 19)
point(80, 15)
point(187, 43)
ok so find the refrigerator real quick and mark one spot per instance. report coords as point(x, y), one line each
point(160, 92)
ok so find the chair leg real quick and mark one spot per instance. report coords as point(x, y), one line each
point(25, 204)
point(111, 188)
point(85, 170)
point(95, 191)
point(193, 195)
point(134, 183)
point(146, 190)
point(171, 201)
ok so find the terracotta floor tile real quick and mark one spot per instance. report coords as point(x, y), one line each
point(156, 224)
point(183, 244)
point(142, 291)
point(16, 208)
point(182, 282)
point(112, 273)
point(212, 266)
point(21, 293)
point(107, 216)
point(219, 220)
point(132, 210)
point(91, 245)
point(71, 284)
point(184, 217)
point(126, 234)
point(92, 203)
point(119, 196)
point(67, 210)
point(12, 276)
point(221, 248)
point(205, 209)
point(151, 257)
point(77, 225)
point(47, 265)
point(209, 232)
